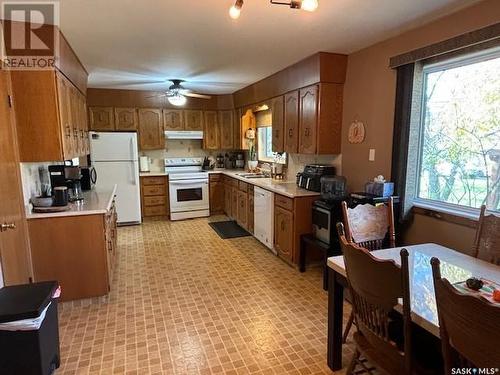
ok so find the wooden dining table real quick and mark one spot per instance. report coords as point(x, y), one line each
point(455, 267)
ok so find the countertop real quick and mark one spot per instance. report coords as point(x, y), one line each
point(95, 202)
point(286, 188)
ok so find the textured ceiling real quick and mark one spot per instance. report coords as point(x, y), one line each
point(137, 44)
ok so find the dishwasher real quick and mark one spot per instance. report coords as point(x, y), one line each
point(264, 217)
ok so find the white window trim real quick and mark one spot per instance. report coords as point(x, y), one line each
point(444, 207)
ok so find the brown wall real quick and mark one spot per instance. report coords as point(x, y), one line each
point(369, 90)
point(369, 95)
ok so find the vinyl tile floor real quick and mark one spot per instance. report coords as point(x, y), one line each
point(184, 301)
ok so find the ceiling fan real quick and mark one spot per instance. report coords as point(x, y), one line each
point(176, 94)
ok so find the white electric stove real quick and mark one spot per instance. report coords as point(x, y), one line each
point(188, 188)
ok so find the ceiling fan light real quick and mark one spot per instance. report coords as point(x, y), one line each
point(177, 100)
point(235, 10)
point(309, 5)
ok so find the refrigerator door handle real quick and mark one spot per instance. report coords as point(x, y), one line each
point(134, 180)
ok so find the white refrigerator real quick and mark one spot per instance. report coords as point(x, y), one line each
point(115, 158)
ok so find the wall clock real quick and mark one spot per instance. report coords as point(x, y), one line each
point(356, 132)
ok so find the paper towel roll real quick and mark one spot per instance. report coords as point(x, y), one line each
point(144, 163)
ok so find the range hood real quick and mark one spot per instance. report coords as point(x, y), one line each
point(183, 134)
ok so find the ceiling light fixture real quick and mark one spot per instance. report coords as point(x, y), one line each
point(307, 5)
point(177, 100)
point(235, 10)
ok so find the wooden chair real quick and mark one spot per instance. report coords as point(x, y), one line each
point(369, 226)
point(487, 242)
point(375, 286)
point(469, 326)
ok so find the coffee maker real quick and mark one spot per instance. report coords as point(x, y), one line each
point(69, 176)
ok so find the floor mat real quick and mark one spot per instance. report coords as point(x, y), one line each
point(228, 229)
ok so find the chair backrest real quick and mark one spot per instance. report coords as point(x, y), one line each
point(487, 242)
point(376, 285)
point(467, 323)
point(370, 226)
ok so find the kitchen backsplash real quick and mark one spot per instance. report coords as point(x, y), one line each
point(297, 162)
point(33, 175)
point(176, 149)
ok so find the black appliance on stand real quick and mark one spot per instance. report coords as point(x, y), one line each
point(327, 211)
point(89, 178)
point(69, 176)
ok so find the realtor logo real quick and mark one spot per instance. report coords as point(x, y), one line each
point(30, 39)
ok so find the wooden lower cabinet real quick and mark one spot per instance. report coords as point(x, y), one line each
point(283, 229)
point(234, 203)
point(227, 199)
point(154, 196)
point(242, 218)
point(250, 209)
point(292, 218)
point(217, 196)
point(78, 251)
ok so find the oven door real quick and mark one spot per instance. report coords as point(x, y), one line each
point(321, 224)
point(188, 195)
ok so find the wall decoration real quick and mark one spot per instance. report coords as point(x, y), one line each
point(356, 132)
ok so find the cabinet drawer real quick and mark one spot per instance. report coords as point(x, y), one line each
point(243, 186)
point(153, 180)
point(154, 190)
point(282, 201)
point(215, 177)
point(155, 210)
point(155, 201)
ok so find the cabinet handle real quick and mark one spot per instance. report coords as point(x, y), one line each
point(68, 131)
point(307, 132)
point(290, 132)
point(6, 226)
point(82, 134)
point(283, 226)
point(75, 132)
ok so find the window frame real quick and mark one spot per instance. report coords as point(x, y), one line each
point(432, 67)
point(258, 147)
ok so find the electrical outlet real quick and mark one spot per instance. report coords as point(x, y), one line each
point(371, 155)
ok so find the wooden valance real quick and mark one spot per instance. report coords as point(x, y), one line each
point(487, 34)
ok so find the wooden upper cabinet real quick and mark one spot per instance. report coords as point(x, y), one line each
point(237, 139)
point(292, 122)
point(211, 131)
point(173, 119)
point(126, 119)
point(226, 124)
point(101, 118)
point(193, 120)
point(151, 134)
point(330, 118)
point(277, 110)
point(308, 119)
point(248, 121)
point(47, 114)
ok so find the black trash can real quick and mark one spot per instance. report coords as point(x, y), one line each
point(35, 351)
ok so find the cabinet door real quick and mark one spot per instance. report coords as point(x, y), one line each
point(308, 119)
point(101, 118)
point(234, 203)
point(65, 116)
point(277, 109)
point(227, 200)
point(211, 131)
point(173, 119)
point(283, 232)
point(193, 120)
point(126, 119)
point(151, 135)
point(217, 198)
point(237, 141)
point(242, 208)
point(292, 122)
point(226, 122)
point(85, 125)
point(75, 121)
point(250, 216)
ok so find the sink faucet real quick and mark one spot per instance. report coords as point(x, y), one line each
point(265, 168)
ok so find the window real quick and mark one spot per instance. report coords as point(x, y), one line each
point(265, 146)
point(459, 161)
